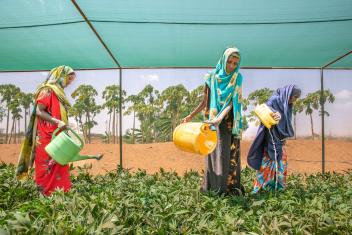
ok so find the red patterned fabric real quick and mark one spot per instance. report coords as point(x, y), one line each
point(269, 177)
point(49, 175)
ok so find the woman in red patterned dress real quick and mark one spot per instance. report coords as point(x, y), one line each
point(50, 112)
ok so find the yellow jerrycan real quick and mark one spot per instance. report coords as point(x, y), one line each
point(264, 114)
point(195, 137)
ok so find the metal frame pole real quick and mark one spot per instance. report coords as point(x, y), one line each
point(116, 62)
point(322, 102)
point(120, 117)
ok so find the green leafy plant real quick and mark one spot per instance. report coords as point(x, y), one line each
point(121, 202)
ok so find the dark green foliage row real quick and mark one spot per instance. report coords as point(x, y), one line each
point(164, 203)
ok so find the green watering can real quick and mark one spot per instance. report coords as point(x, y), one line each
point(64, 149)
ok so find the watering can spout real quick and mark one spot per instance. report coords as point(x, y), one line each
point(85, 157)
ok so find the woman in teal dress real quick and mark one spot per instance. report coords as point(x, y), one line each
point(222, 104)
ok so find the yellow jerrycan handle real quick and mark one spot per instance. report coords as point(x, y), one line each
point(68, 129)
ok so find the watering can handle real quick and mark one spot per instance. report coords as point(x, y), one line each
point(69, 129)
point(55, 132)
point(211, 126)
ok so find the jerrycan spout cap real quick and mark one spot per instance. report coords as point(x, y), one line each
point(207, 126)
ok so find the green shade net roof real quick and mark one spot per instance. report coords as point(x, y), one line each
point(39, 35)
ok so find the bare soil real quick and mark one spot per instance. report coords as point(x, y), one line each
point(304, 156)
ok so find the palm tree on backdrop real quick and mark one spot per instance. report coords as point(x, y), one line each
point(194, 99)
point(148, 112)
point(111, 95)
point(327, 96)
point(136, 103)
point(26, 101)
point(174, 102)
point(7, 92)
point(15, 109)
point(137, 138)
point(2, 113)
point(245, 104)
point(75, 111)
point(84, 97)
point(298, 107)
point(313, 102)
point(255, 98)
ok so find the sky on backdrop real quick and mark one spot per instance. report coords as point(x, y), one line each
point(338, 81)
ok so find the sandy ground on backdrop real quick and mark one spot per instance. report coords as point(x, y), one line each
point(304, 156)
